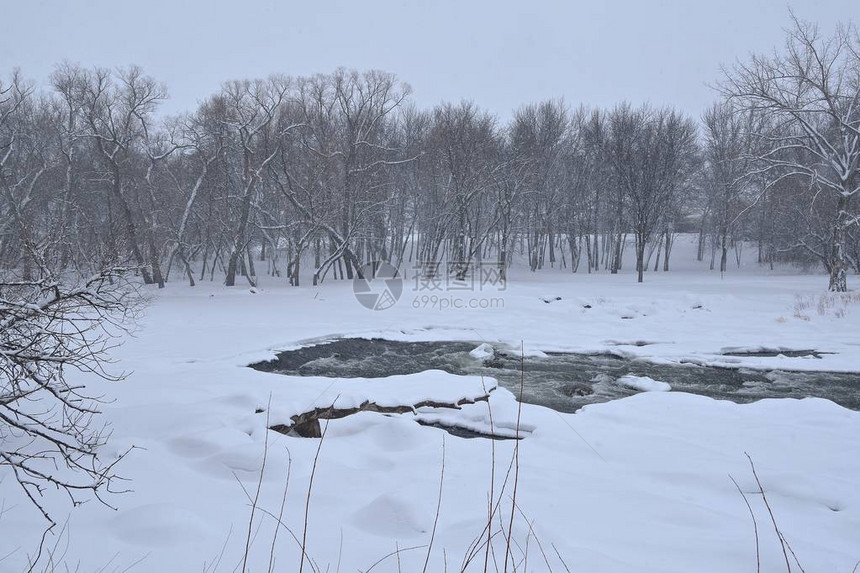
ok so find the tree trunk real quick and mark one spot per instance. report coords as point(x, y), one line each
point(838, 280)
point(128, 223)
point(667, 250)
point(616, 256)
point(640, 258)
point(239, 240)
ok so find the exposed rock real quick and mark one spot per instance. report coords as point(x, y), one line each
point(577, 390)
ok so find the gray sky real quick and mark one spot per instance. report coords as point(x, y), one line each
point(499, 53)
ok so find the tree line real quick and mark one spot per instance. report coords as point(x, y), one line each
point(336, 170)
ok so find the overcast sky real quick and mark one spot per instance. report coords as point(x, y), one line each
point(499, 53)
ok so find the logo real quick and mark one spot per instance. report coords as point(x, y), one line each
point(379, 287)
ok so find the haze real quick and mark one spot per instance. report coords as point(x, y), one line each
point(499, 53)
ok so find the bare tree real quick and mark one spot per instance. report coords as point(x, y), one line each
point(118, 114)
point(23, 162)
point(49, 435)
point(463, 145)
point(51, 321)
point(812, 92)
point(651, 155)
point(540, 136)
point(253, 110)
point(203, 147)
point(348, 119)
point(728, 147)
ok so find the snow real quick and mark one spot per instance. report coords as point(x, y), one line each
point(482, 352)
point(644, 383)
point(407, 390)
point(639, 484)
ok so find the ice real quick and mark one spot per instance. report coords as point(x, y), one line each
point(644, 383)
point(482, 352)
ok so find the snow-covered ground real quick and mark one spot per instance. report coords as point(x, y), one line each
point(638, 484)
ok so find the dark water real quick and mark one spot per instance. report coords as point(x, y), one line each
point(561, 381)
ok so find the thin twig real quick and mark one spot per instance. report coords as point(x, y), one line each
point(259, 488)
point(281, 509)
point(563, 564)
point(755, 525)
point(438, 509)
point(786, 548)
point(308, 500)
point(516, 456)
